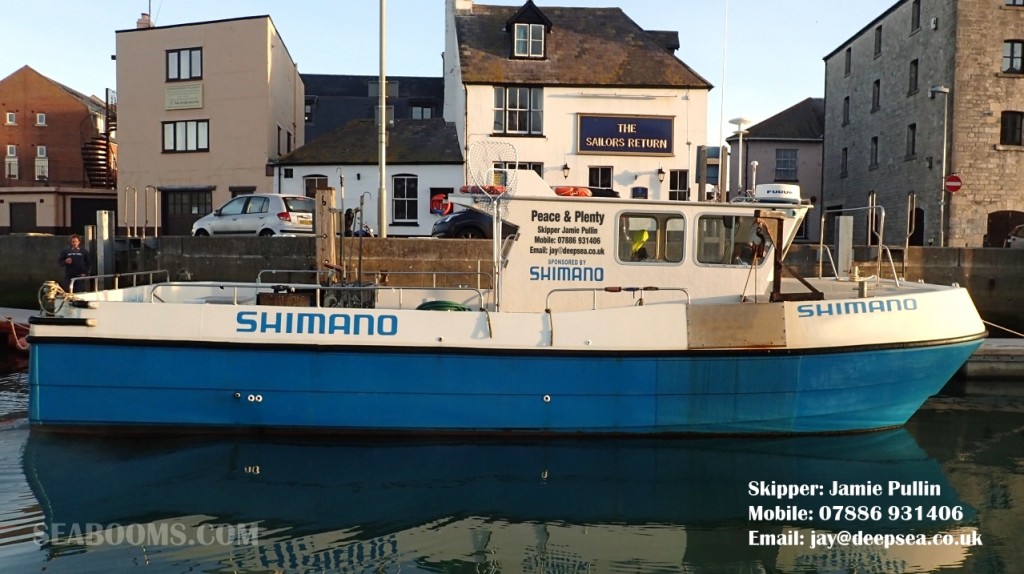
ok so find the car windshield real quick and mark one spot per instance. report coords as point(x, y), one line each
point(299, 204)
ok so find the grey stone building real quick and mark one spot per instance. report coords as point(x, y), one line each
point(924, 74)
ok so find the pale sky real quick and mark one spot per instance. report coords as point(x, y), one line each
point(773, 54)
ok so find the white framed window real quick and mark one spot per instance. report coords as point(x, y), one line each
point(785, 165)
point(10, 118)
point(41, 151)
point(600, 177)
point(519, 110)
point(529, 41)
point(40, 119)
point(186, 136)
point(42, 169)
point(184, 65)
point(405, 191)
point(679, 185)
point(11, 168)
point(12, 150)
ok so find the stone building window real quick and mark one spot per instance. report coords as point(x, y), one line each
point(847, 64)
point(876, 95)
point(846, 111)
point(844, 163)
point(873, 159)
point(1013, 57)
point(912, 78)
point(911, 141)
point(915, 15)
point(878, 41)
point(1011, 128)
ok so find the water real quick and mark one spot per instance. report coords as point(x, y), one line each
point(90, 504)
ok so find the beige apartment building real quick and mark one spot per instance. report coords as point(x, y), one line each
point(203, 108)
point(926, 90)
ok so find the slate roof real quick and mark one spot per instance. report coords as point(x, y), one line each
point(804, 121)
point(339, 99)
point(585, 47)
point(432, 141)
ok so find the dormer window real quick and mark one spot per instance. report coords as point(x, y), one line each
point(529, 40)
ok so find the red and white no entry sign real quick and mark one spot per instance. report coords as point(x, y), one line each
point(953, 183)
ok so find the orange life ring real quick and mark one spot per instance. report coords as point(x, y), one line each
point(569, 191)
point(439, 204)
point(488, 189)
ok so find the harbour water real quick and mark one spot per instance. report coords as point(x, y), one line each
point(952, 479)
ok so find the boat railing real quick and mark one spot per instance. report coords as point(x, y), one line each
point(329, 296)
point(434, 275)
point(594, 292)
point(826, 251)
point(317, 273)
point(116, 279)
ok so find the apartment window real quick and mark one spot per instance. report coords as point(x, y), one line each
point(184, 64)
point(40, 119)
point(785, 165)
point(519, 111)
point(915, 15)
point(529, 41)
point(847, 62)
point(876, 95)
point(846, 111)
point(11, 167)
point(405, 197)
point(600, 177)
point(10, 119)
point(311, 183)
point(878, 41)
point(12, 151)
point(1013, 56)
point(844, 163)
point(42, 168)
point(41, 151)
point(912, 78)
point(421, 112)
point(679, 185)
point(186, 136)
point(911, 141)
point(1011, 128)
point(873, 158)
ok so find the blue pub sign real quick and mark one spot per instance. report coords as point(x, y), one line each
point(626, 135)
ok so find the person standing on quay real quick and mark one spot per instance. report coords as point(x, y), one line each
point(75, 261)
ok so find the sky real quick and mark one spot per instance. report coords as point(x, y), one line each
point(773, 50)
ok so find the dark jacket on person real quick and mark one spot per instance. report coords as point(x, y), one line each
point(80, 263)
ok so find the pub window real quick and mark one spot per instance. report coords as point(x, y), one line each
point(405, 197)
point(183, 65)
point(679, 185)
point(518, 110)
point(729, 240)
point(529, 41)
point(534, 166)
point(600, 177)
point(651, 238)
point(186, 136)
point(311, 183)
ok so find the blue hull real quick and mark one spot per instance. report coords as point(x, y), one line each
point(381, 390)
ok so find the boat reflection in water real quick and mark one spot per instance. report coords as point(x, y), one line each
point(552, 506)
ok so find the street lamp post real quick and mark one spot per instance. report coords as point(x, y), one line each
point(945, 133)
point(739, 123)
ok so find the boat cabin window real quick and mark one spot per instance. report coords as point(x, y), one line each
point(651, 238)
point(727, 240)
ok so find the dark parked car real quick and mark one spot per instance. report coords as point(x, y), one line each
point(470, 224)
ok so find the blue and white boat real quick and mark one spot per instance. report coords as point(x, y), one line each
point(608, 315)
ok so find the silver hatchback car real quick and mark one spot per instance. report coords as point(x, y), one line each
point(1016, 238)
point(259, 214)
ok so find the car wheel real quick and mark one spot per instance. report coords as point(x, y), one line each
point(266, 233)
point(470, 233)
point(201, 233)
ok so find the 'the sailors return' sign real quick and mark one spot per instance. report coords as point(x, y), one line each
point(632, 135)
